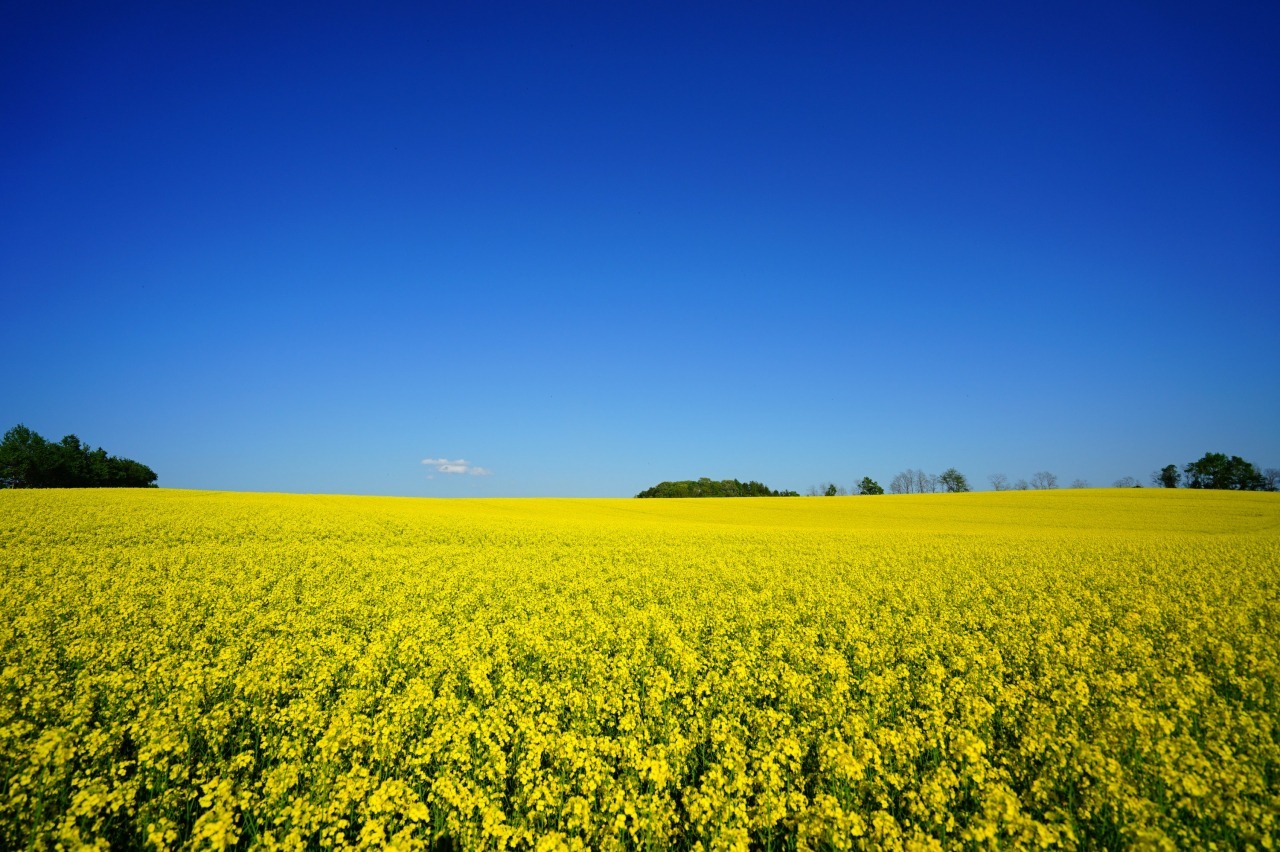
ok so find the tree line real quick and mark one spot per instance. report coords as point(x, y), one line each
point(1217, 470)
point(706, 487)
point(1213, 470)
point(1043, 480)
point(27, 460)
point(908, 482)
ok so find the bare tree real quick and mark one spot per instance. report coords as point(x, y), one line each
point(1044, 480)
point(924, 483)
point(999, 482)
point(1079, 483)
point(1020, 485)
point(1272, 476)
point(901, 484)
point(1126, 482)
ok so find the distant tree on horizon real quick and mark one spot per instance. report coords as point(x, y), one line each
point(911, 481)
point(926, 483)
point(999, 482)
point(1044, 481)
point(1218, 471)
point(869, 486)
point(1167, 477)
point(953, 481)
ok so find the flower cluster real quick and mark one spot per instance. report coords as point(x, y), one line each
point(1029, 670)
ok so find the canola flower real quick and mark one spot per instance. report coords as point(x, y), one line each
point(192, 670)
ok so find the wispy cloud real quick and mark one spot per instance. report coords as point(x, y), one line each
point(457, 466)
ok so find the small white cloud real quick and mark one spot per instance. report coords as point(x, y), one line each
point(456, 466)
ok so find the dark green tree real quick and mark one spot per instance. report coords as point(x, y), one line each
point(1167, 477)
point(830, 490)
point(23, 456)
point(953, 481)
point(1216, 470)
point(70, 468)
point(869, 486)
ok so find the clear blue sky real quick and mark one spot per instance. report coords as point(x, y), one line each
point(585, 247)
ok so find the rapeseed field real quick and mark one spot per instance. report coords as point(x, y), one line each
point(1068, 669)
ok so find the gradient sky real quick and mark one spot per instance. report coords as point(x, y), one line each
point(579, 248)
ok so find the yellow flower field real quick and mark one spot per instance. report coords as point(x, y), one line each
point(1073, 669)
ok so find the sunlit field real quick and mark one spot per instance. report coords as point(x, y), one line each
point(1069, 669)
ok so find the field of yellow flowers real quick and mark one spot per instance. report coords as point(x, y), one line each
point(1068, 669)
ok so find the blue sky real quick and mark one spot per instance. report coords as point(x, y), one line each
point(585, 247)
